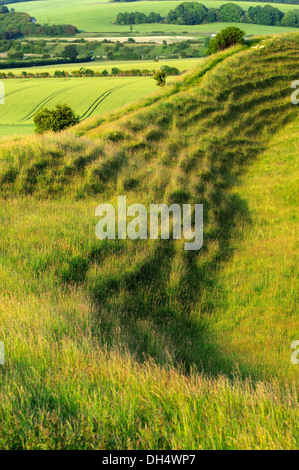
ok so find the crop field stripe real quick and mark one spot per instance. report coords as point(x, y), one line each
point(43, 103)
point(101, 98)
point(87, 96)
point(15, 91)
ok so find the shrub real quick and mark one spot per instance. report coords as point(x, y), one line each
point(160, 77)
point(55, 120)
point(226, 38)
point(70, 52)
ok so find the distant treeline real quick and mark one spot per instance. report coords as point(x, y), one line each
point(192, 13)
point(15, 25)
point(83, 72)
point(12, 64)
point(289, 2)
point(7, 2)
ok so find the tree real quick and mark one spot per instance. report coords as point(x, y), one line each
point(160, 77)
point(188, 13)
point(265, 15)
point(55, 120)
point(289, 19)
point(226, 38)
point(230, 12)
point(70, 52)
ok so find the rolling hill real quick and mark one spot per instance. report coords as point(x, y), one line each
point(140, 344)
point(99, 17)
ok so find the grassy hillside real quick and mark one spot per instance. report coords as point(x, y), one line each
point(98, 17)
point(141, 344)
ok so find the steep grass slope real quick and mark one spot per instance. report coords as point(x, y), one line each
point(124, 344)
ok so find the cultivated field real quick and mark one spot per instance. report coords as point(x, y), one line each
point(122, 344)
point(180, 64)
point(87, 96)
point(98, 17)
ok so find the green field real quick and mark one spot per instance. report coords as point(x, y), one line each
point(98, 17)
point(87, 96)
point(139, 344)
point(180, 64)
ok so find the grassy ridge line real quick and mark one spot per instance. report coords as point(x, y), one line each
point(78, 100)
point(61, 389)
point(188, 79)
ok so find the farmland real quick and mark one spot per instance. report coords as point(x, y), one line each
point(98, 17)
point(88, 97)
point(180, 64)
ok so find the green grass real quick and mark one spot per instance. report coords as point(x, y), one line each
point(98, 18)
point(141, 345)
point(87, 96)
point(255, 315)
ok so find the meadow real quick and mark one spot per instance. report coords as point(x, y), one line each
point(139, 344)
point(98, 17)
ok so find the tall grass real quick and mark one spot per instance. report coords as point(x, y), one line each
point(141, 344)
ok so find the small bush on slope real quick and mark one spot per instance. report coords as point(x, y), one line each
point(55, 120)
point(228, 37)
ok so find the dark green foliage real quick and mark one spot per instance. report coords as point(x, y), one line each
point(192, 13)
point(170, 70)
point(37, 63)
point(55, 120)
point(230, 12)
point(70, 52)
point(291, 19)
point(160, 77)
point(15, 24)
point(265, 15)
point(188, 13)
point(137, 18)
point(226, 38)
